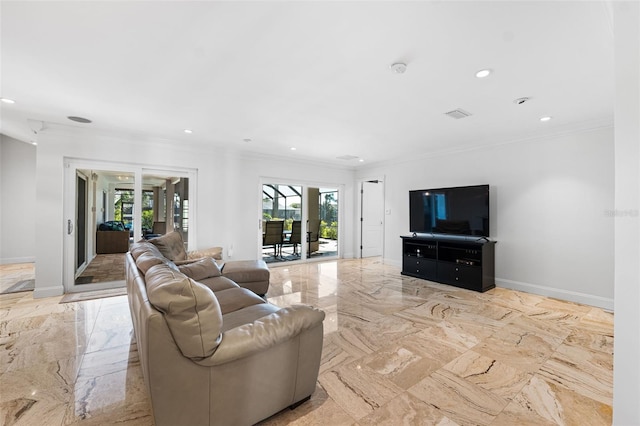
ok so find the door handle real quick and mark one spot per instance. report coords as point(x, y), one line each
point(69, 227)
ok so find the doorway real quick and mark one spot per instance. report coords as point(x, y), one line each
point(371, 218)
point(281, 222)
point(110, 205)
point(299, 222)
point(81, 221)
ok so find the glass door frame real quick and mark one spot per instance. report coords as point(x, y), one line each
point(71, 166)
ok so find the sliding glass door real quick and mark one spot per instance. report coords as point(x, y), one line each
point(110, 205)
point(281, 222)
point(299, 222)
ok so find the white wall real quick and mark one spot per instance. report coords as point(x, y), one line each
point(626, 381)
point(228, 191)
point(17, 201)
point(550, 199)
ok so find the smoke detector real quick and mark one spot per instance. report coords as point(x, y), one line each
point(399, 67)
point(520, 101)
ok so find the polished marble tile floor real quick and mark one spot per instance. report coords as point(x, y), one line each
point(12, 273)
point(397, 350)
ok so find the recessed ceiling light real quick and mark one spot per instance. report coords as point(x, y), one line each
point(188, 131)
point(361, 160)
point(79, 119)
point(483, 73)
point(399, 67)
point(293, 148)
point(545, 118)
point(7, 101)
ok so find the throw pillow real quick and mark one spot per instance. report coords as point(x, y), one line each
point(200, 269)
point(171, 246)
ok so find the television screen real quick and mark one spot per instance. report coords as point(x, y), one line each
point(458, 211)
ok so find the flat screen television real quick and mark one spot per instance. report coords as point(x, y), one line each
point(461, 210)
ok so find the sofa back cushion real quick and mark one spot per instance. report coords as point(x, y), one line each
point(140, 247)
point(146, 260)
point(171, 246)
point(190, 309)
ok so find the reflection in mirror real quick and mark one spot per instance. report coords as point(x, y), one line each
point(110, 221)
point(168, 209)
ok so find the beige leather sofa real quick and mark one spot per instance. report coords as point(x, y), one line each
point(213, 353)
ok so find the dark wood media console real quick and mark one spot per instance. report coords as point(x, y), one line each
point(465, 263)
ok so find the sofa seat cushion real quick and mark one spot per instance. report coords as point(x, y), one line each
point(234, 299)
point(190, 309)
point(243, 271)
point(247, 315)
point(250, 274)
point(218, 283)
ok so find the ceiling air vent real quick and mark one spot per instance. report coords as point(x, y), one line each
point(458, 113)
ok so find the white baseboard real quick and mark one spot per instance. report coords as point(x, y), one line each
point(9, 260)
point(391, 262)
point(40, 292)
point(571, 296)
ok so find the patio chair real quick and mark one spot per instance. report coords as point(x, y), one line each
point(313, 235)
point(295, 237)
point(272, 235)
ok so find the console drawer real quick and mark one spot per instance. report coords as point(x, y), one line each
point(469, 277)
point(419, 266)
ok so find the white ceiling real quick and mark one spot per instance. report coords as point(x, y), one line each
point(310, 75)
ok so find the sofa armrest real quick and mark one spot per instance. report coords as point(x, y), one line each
point(263, 333)
point(198, 255)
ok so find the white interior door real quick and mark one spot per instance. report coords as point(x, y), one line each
point(372, 219)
